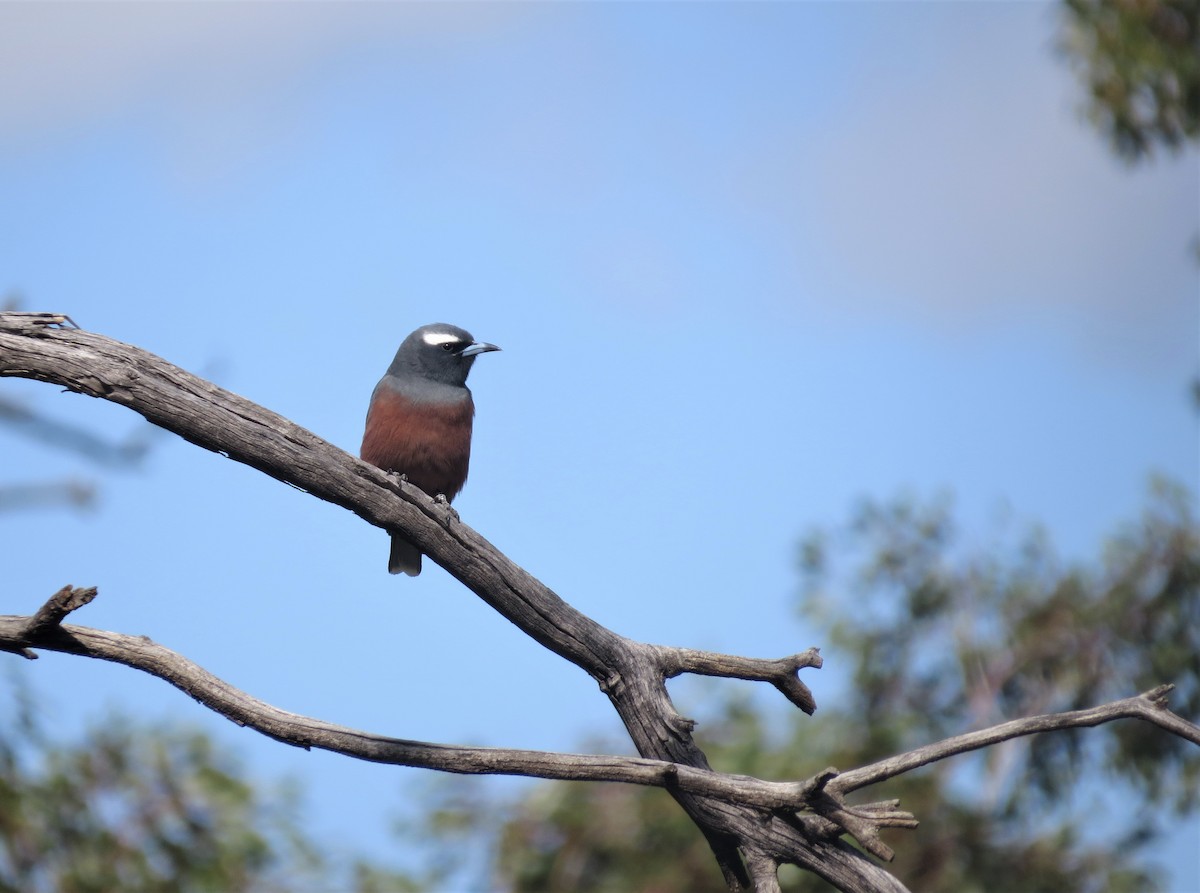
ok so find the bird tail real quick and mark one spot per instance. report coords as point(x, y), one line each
point(405, 557)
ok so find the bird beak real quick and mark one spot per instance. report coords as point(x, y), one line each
point(477, 348)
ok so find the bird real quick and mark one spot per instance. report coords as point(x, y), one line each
point(420, 417)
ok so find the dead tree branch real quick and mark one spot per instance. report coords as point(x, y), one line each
point(45, 630)
point(783, 673)
point(753, 826)
point(1150, 706)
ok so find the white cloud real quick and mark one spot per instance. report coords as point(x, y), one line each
point(948, 183)
point(963, 191)
point(67, 63)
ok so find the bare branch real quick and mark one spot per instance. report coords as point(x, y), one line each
point(45, 630)
point(752, 825)
point(863, 822)
point(57, 607)
point(783, 673)
point(827, 789)
point(1149, 706)
point(48, 616)
point(141, 653)
point(764, 872)
point(33, 346)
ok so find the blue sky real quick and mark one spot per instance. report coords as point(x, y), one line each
point(748, 263)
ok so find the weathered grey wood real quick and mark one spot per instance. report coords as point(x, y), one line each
point(143, 654)
point(1150, 706)
point(58, 606)
point(41, 347)
point(752, 825)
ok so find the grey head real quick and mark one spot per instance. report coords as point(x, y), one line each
point(439, 353)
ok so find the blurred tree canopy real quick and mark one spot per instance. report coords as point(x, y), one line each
point(1140, 63)
point(143, 808)
point(941, 639)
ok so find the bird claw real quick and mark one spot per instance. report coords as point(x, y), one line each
point(451, 512)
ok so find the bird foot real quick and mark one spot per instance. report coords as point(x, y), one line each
point(441, 500)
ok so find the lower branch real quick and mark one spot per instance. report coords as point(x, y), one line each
point(818, 803)
point(1150, 706)
point(45, 630)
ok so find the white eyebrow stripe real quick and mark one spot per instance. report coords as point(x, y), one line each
point(436, 338)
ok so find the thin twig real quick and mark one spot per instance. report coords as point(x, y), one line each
point(140, 653)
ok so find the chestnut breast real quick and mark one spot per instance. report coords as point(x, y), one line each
point(427, 440)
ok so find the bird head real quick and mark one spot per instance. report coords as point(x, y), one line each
point(439, 352)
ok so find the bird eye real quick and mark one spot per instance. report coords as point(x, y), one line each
point(448, 346)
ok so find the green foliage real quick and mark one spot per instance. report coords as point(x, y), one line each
point(939, 639)
point(1140, 62)
point(1007, 631)
point(141, 808)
